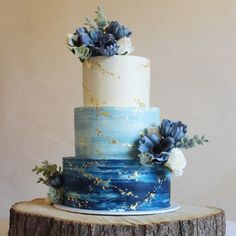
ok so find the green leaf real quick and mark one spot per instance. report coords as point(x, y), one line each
point(100, 20)
point(40, 180)
point(35, 168)
point(185, 139)
point(187, 142)
point(82, 52)
point(90, 23)
point(199, 142)
point(46, 170)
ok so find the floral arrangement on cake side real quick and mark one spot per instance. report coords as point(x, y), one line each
point(162, 146)
point(53, 178)
point(158, 145)
point(100, 37)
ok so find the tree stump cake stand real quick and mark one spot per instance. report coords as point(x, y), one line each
point(37, 218)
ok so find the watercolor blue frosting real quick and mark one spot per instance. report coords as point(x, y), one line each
point(115, 185)
point(106, 173)
point(111, 132)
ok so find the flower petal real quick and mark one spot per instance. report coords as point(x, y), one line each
point(145, 144)
point(154, 138)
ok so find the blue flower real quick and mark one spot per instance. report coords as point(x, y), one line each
point(99, 43)
point(108, 45)
point(167, 144)
point(118, 30)
point(176, 130)
point(158, 148)
point(84, 38)
point(165, 128)
point(99, 37)
point(96, 35)
point(56, 180)
point(145, 144)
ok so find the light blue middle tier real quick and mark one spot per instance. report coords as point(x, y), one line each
point(111, 132)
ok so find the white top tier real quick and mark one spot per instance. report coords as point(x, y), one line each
point(116, 81)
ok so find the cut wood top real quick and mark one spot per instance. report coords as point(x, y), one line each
point(40, 207)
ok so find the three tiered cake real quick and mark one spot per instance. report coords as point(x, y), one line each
point(106, 173)
point(124, 154)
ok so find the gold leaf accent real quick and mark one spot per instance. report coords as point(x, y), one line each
point(140, 103)
point(95, 102)
point(105, 113)
point(134, 175)
point(99, 112)
point(133, 206)
point(98, 151)
point(145, 65)
point(113, 141)
point(99, 132)
point(83, 143)
point(129, 194)
point(94, 65)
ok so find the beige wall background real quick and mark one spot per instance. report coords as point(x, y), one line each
point(192, 47)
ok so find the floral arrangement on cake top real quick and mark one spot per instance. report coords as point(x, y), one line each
point(162, 145)
point(100, 37)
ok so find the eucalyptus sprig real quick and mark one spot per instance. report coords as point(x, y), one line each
point(187, 142)
point(99, 22)
point(47, 170)
point(90, 23)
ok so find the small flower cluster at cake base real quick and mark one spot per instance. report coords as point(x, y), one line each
point(100, 38)
point(162, 146)
point(53, 178)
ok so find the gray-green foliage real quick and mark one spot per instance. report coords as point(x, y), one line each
point(187, 142)
point(145, 159)
point(82, 52)
point(90, 23)
point(99, 22)
point(46, 169)
point(55, 195)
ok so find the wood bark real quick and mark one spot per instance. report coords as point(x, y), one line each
point(36, 218)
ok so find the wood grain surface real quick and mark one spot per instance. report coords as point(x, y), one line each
point(38, 218)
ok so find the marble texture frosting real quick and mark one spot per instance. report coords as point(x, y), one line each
point(115, 185)
point(116, 81)
point(111, 132)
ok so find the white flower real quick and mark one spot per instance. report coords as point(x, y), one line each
point(125, 46)
point(69, 39)
point(176, 162)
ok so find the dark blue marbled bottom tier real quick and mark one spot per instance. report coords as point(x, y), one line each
point(114, 185)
